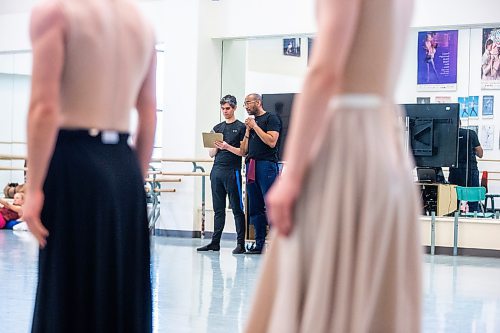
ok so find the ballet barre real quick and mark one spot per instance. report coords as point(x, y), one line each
point(13, 168)
point(195, 174)
point(165, 190)
point(163, 180)
point(197, 171)
point(154, 180)
point(12, 157)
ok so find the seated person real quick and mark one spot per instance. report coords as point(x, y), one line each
point(11, 211)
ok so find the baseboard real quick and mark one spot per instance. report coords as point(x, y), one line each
point(191, 234)
point(464, 252)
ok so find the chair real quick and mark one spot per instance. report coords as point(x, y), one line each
point(473, 194)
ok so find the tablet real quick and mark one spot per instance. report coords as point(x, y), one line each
point(210, 138)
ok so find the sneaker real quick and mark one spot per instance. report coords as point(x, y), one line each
point(239, 249)
point(209, 247)
point(254, 251)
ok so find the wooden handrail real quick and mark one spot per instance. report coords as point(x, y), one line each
point(13, 168)
point(12, 157)
point(156, 159)
point(173, 173)
point(164, 180)
point(167, 190)
point(198, 160)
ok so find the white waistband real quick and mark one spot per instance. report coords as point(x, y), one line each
point(364, 101)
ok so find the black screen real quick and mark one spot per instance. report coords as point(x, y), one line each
point(281, 105)
point(433, 134)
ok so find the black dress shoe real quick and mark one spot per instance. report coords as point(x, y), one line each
point(239, 249)
point(209, 247)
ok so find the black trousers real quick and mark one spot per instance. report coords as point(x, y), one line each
point(227, 182)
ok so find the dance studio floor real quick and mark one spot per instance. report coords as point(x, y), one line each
point(211, 292)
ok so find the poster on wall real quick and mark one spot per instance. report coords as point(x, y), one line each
point(488, 106)
point(442, 99)
point(291, 47)
point(464, 107)
point(437, 60)
point(490, 60)
point(469, 106)
point(423, 100)
point(487, 136)
point(473, 107)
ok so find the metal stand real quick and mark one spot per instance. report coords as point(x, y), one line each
point(455, 235)
point(433, 233)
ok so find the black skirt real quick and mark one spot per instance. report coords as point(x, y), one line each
point(94, 273)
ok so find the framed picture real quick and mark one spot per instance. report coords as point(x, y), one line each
point(437, 60)
point(473, 106)
point(423, 100)
point(490, 76)
point(291, 47)
point(488, 106)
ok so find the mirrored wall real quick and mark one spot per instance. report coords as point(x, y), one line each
point(15, 71)
point(277, 65)
point(15, 85)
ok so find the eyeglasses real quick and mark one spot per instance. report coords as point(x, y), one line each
point(248, 102)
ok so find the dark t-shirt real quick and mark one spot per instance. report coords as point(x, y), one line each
point(257, 149)
point(463, 151)
point(233, 134)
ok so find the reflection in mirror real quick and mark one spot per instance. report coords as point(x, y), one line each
point(262, 65)
point(15, 70)
point(15, 86)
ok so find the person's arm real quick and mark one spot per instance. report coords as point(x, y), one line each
point(8, 205)
point(244, 142)
point(4, 203)
point(337, 22)
point(212, 152)
point(223, 145)
point(47, 32)
point(47, 37)
point(478, 151)
point(146, 109)
point(270, 138)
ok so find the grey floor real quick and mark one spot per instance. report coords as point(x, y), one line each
point(210, 292)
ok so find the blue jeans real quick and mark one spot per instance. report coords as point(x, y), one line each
point(265, 174)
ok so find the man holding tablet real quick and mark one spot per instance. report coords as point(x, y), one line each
point(225, 177)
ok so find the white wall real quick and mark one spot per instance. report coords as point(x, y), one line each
point(192, 92)
point(14, 32)
point(234, 65)
point(292, 17)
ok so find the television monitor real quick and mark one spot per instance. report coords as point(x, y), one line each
point(433, 134)
point(281, 105)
